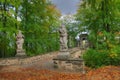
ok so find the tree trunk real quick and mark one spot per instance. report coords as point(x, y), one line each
point(4, 25)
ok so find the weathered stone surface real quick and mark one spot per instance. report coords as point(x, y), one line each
point(63, 55)
point(76, 54)
point(72, 64)
point(25, 60)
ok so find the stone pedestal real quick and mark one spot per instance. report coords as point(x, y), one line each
point(20, 53)
point(63, 55)
point(70, 64)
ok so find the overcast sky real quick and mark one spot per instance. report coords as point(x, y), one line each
point(67, 6)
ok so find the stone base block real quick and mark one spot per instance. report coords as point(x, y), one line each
point(20, 53)
point(63, 55)
point(69, 64)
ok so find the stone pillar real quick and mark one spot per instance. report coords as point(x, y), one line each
point(63, 43)
point(19, 42)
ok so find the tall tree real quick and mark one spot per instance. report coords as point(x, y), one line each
point(7, 29)
point(38, 18)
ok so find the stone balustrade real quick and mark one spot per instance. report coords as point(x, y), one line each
point(23, 60)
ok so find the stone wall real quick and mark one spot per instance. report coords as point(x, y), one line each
point(25, 60)
point(30, 60)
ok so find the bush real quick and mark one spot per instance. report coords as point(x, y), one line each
point(97, 58)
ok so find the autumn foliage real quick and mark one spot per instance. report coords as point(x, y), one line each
point(104, 73)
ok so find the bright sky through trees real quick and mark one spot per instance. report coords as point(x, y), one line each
point(67, 6)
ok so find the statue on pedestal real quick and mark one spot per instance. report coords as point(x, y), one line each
point(19, 43)
point(64, 53)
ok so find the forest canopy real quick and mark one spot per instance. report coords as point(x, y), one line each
point(34, 18)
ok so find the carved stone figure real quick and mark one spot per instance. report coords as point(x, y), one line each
point(63, 38)
point(19, 43)
point(20, 40)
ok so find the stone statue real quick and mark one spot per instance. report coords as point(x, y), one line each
point(63, 38)
point(19, 43)
point(20, 40)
